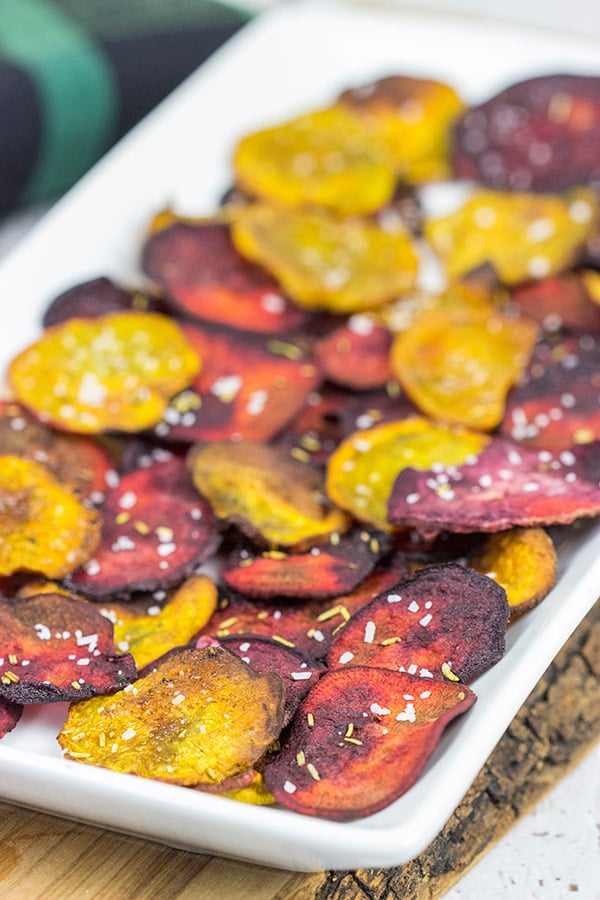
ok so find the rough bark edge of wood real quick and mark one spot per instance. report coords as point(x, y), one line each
point(556, 726)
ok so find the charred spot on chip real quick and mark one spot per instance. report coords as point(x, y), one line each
point(414, 117)
point(325, 261)
point(156, 530)
point(329, 570)
point(557, 401)
point(95, 298)
point(458, 364)
point(363, 469)
point(445, 618)
point(560, 304)
point(10, 713)
point(204, 276)
point(56, 647)
point(79, 463)
point(116, 372)
point(502, 486)
point(199, 717)
point(327, 158)
point(250, 387)
point(360, 740)
point(308, 626)
point(539, 134)
point(148, 634)
point(523, 561)
point(297, 670)
point(357, 354)
point(273, 499)
point(523, 236)
point(44, 528)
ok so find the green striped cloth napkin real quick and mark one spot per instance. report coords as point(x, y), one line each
point(77, 74)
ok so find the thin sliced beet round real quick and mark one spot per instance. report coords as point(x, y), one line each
point(10, 713)
point(357, 354)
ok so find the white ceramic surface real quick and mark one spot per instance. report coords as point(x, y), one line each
point(290, 60)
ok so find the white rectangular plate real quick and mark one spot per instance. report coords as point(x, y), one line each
point(293, 59)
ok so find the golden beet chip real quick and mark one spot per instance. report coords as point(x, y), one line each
point(115, 372)
point(249, 787)
point(360, 740)
point(77, 462)
point(55, 647)
point(557, 401)
point(205, 277)
point(323, 261)
point(458, 364)
point(523, 561)
point(156, 530)
point(362, 471)
point(522, 236)
point(200, 717)
point(148, 635)
point(414, 118)
point(273, 499)
point(307, 626)
point(43, 527)
point(501, 486)
point(332, 569)
point(327, 157)
point(444, 619)
point(250, 387)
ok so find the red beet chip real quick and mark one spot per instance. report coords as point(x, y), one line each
point(205, 277)
point(94, 298)
point(561, 303)
point(10, 713)
point(156, 531)
point(557, 402)
point(75, 461)
point(330, 570)
point(332, 414)
point(55, 648)
point(309, 626)
point(445, 622)
point(299, 672)
point(505, 485)
point(360, 740)
point(357, 354)
point(541, 134)
point(249, 388)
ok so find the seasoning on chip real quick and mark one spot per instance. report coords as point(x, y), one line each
point(444, 619)
point(203, 276)
point(523, 561)
point(55, 648)
point(326, 157)
point(44, 528)
point(502, 486)
point(325, 261)
point(522, 236)
point(200, 717)
point(362, 471)
point(112, 373)
point(458, 364)
point(156, 530)
point(360, 740)
point(273, 499)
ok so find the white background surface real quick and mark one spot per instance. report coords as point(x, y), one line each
point(554, 852)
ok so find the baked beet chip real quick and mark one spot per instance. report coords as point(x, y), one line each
point(539, 134)
point(357, 354)
point(156, 531)
point(333, 569)
point(94, 298)
point(58, 648)
point(10, 713)
point(504, 485)
point(360, 740)
point(446, 622)
point(204, 276)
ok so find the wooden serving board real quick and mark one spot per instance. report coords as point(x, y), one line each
point(42, 856)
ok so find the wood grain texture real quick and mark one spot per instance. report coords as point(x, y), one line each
point(42, 856)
